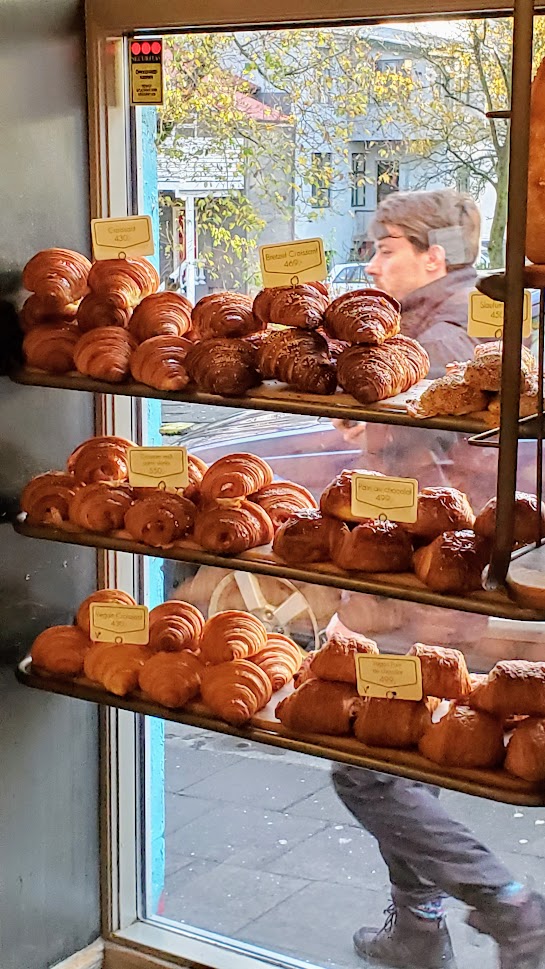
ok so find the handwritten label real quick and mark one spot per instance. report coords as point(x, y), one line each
point(158, 467)
point(122, 237)
point(119, 624)
point(392, 499)
point(389, 677)
point(485, 315)
point(290, 263)
point(146, 71)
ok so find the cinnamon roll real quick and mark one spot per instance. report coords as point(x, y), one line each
point(174, 626)
point(231, 530)
point(60, 650)
point(59, 276)
point(103, 597)
point(161, 314)
point(51, 347)
point(230, 635)
point(100, 507)
point(306, 537)
point(299, 359)
point(363, 316)
point(105, 353)
point(46, 498)
point(282, 499)
point(97, 310)
point(225, 367)
point(160, 519)
point(132, 278)
point(160, 362)
point(171, 679)
point(301, 306)
point(100, 459)
point(236, 476)
point(224, 315)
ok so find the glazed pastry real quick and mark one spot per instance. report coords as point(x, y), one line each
point(229, 530)
point(36, 311)
point(225, 367)
point(160, 518)
point(336, 499)
point(104, 353)
point(196, 470)
point(372, 373)
point(100, 459)
point(512, 687)
point(306, 537)
point(304, 672)
point(448, 395)
point(392, 723)
point(51, 347)
point(373, 546)
point(174, 626)
point(132, 278)
point(236, 476)
point(282, 499)
point(97, 310)
point(172, 679)
point(280, 660)
point(60, 650)
point(464, 738)
point(160, 362)
point(319, 707)
point(440, 510)
point(453, 562)
point(299, 359)
point(46, 498)
point(161, 314)
point(224, 315)
point(526, 751)
point(444, 671)
point(363, 316)
point(100, 507)
point(115, 667)
point(231, 635)
point(104, 597)
point(301, 306)
point(336, 659)
point(484, 371)
point(525, 519)
point(58, 276)
point(235, 691)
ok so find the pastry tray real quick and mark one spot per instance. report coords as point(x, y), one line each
point(495, 785)
point(263, 561)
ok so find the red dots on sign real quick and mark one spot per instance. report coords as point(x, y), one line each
point(135, 47)
point(146, 47)
point(156, 47)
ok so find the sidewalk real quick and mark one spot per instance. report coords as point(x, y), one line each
point(259, 848)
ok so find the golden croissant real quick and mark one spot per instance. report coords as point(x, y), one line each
point(102, 458)
point(280, 660)
point(57, 275)
point(372, 373)
point(223, 366)
point(306, 537)
point(51, 347)
point(132, 278)
point(46, 498)
point(102, 597)
point(36, 311)
point(160, 362)
point(298, 358)
point(363, 316)
point(172, 679)
point(235, 691)
point(224, 315)
point(175, 625)
point(232, 530)
point(232, 634)
point(282, 499)
point(115, 667)
point(319, 707)
point(97, 310)
point(104, 353)
point(100, 507)
point(60, 650)
point(161, 314)
point(299, 306)
point(236, 476)
point(160, 518)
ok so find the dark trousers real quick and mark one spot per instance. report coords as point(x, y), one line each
point(428, 854)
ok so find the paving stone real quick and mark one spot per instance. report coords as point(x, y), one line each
point(324, 805)
point(181, 809)
point(185, 766)
point(269, 785)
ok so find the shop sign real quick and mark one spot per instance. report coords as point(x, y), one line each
point(116, 238)
point(389, 677)
point(485, 316)
point(291, 263)
point(146, 71)
point(112, 623)
point(158, 467)
point(387, 498)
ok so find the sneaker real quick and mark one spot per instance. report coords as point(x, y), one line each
point(407, 941)
point(519, 930)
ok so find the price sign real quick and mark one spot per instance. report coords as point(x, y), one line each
point(389, 677)
point(392, 499)
point(122, 237)
point(119, 624)
point(146, 71)
point(485, 315)
point(158, 467)
point(290, 263)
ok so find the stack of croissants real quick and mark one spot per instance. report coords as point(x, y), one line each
point(234, 666)
point(107, 321)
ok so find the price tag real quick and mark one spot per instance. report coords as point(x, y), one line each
point(146, 71)
point(158, 467)
point(119, 624)
point(391, 499)
point(122, 237)
point(485, 315)
point(389, 677)
point(290, 263)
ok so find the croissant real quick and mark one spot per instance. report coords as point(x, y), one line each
point(100, 459)
point(392, 723)
point(299, 359)
point(302, 306)
point(132, 278)
point(231, 530)
point(304, 672)
point(97, 310)
point(100, 507)
point(306, 537)
point(464, 738)
point(372, 373)
point(526, 524)
point(60, 650)
point(484, 371)
point(115, 667)
point(104, 353)
point(236, 476)
point(235, 691)
point(319, 707)
point(444, 671)
point(282, 499)
point(226, 367)
point(196, 470)
point(161, 314)
point(160, 518)
point(336, 660)
point(373, 546)
point(336, 499)
point(440, 510)
point(526, 751)
point(453, 562)
point(175, 626)
point(57, 275)
point(512, 687)
point(102, 596)
point(160, 362)
point(231, 635)
point(51, 347)
point(172, 679)
point(448, 395)
point(280, 660)
point(46, 498)
point(363, 316)
point(224, 315)
point(36, 311)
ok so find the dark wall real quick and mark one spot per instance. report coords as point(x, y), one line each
point(48, 745)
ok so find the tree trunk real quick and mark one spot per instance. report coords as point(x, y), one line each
point(496, 245)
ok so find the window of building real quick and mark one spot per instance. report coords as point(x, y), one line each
point(359, 180)
point(320, 179)
point(387, 178)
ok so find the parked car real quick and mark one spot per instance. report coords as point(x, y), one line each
point(347, 276)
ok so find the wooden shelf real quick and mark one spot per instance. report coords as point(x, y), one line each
point(262, 560)
point(496, 785)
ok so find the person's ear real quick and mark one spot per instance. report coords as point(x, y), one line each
point(436, 260)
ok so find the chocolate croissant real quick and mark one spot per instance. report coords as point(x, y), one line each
point(444, 671)
point(392, 723)
point(51, 347)
point(161, 314)
point(102, 458)
point(319, 707)
point(525, 522)
point(236, 476)
point(372, 373)
point(301, 306)
point(224, 315)
point(306, 537)
point(36, 311)
point(336, 498)
point(373, 546)
point(453, 562)
point(225, 367)
point(160, 362)
point(172, 679)
point(440, 510)
point(280, 660)
point(132, 278)
point(464, 738)
point(512, 687)
point(57, 275)
point(235, 691)
point(174, 626)
point(299, 359)
point(104, 353)
point(526, 751)
point(336, 660)
point(97, 310)
point(60, 650)
point(100, 507)
point(231, 635)
point(230, 530)
point(115, 667)
point(160, 518)
point(281, 499)
point(363, 316)
point(103, 597)
point(46, 498)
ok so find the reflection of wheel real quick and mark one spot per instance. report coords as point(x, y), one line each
point(277, 602)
